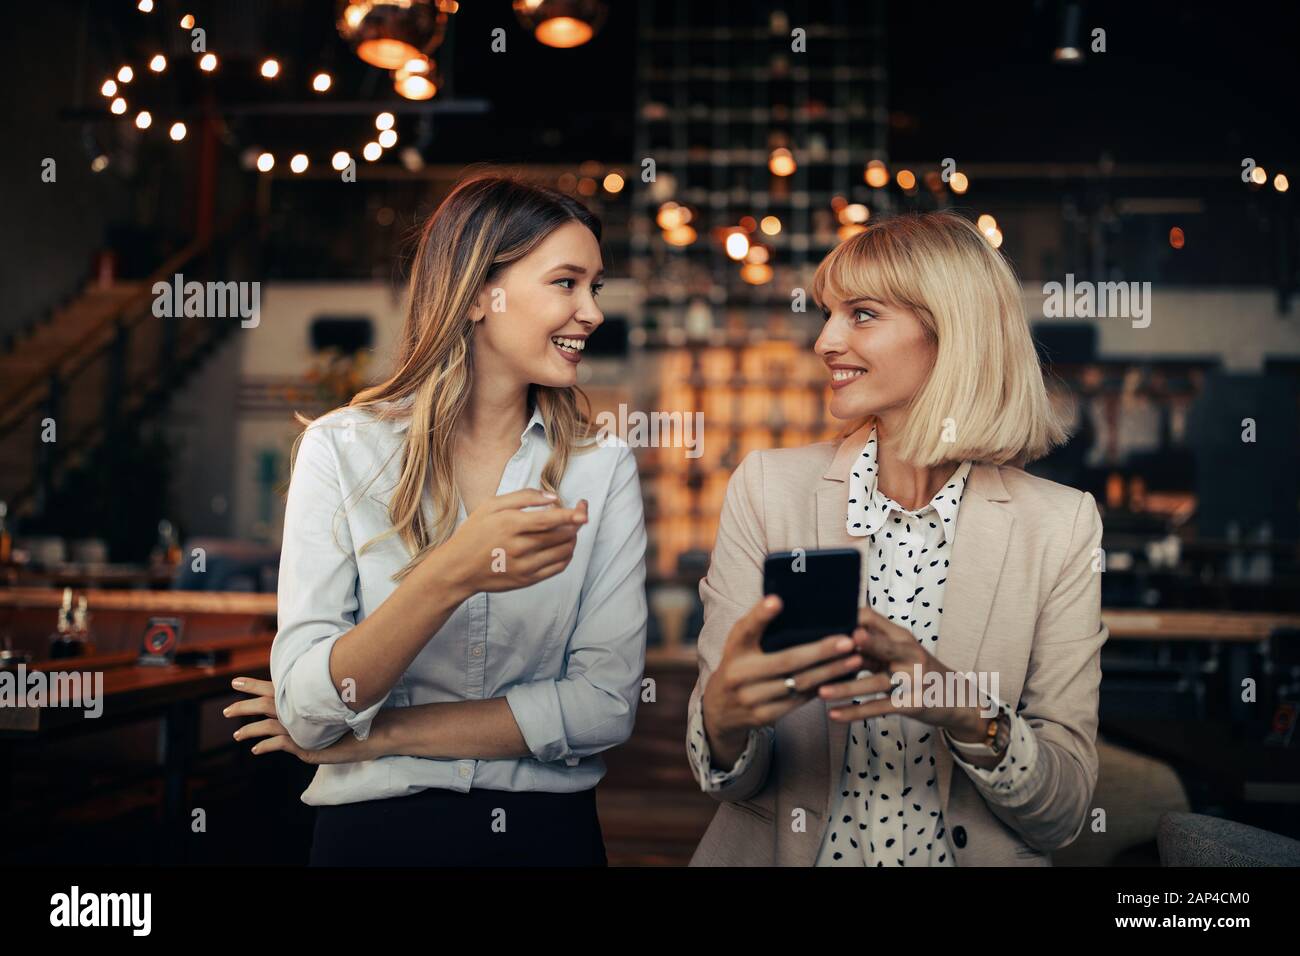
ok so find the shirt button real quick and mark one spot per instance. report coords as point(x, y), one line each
point(959, 836)
point(464, 771)
point(477, 650)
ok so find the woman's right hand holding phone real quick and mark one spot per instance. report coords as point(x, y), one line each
point(500, 547)
point(749, 689)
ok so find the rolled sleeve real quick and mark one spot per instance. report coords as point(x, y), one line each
point(710, 777)
point(316, 600)
point(593, 706)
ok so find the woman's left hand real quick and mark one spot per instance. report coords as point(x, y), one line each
point(891, 649)
point(262, 704)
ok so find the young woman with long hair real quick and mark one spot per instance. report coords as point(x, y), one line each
point(462, 609)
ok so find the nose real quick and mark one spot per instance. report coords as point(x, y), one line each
point(589, 315)
point(828, 344)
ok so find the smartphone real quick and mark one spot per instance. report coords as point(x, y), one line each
point(818, 592)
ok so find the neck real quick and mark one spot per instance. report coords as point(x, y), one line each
point(496, 413)
point(910, 486)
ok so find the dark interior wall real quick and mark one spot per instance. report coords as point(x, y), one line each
point(49, 231)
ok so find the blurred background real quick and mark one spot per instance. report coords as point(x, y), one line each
point(299, 144)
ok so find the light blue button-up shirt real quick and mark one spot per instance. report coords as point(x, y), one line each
point(568, 653)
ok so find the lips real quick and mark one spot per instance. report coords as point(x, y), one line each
point(840, 377)
point(569, 347)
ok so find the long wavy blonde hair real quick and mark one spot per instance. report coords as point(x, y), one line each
point(485, 224)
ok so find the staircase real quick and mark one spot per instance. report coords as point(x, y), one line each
point(100, 362)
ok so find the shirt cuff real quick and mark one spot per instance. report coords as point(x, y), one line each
point(318, 700)
point(710, 777)
point(1019, 773)
point(536, 709)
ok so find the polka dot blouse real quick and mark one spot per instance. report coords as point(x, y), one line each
point(887, 811)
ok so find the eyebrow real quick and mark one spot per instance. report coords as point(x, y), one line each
point(865, 298)
point(570, 267)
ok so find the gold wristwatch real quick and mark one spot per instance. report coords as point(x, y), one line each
point(997, 737)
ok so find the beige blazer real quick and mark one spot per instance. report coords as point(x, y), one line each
point(1022, 599)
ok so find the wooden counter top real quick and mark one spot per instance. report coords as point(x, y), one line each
point(160, 603)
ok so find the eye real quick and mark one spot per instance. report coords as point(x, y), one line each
point(558, 281)
point(858, 313)
point(595, 288)
point(826, 314)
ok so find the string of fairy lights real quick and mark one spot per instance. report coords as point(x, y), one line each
point(414, 80)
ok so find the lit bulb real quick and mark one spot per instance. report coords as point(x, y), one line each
point(986, 223)
point(99, 163)
point(959, 183)
point(109, 88)
point(372, 151)
point(125, 75)
point(299, 163)
point(119, 106)
point(187, 21)
point(1281, 183)
point(1259, 175)
point(770, 225)
point(208, 62)
point(321, 82)
point(143, 120)
point(177, 132)
point(415, 87)
point(613, 183)
point(340, 161)
point(145, 6)
point(876, 175)
point(737, 245)
point(388, 138)
point(266, 162)
point(270, 69)
point(781, 162)
point(384, 121)
point(158, 63)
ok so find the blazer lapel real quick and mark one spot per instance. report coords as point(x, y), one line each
point(981, 538)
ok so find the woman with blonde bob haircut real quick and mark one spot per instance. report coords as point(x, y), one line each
point(957, 724)
point(462, 608)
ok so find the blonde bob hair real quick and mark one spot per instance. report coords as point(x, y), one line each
point(985, 398)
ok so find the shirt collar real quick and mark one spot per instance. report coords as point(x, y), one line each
point(868, 507)
point(400, 424)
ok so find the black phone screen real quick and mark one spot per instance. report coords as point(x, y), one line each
point(819, 595)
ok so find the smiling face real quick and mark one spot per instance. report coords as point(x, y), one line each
point(533, 318)
point(878, 356)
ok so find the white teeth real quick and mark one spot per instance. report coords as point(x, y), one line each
point(843, 374)
point(570, 345)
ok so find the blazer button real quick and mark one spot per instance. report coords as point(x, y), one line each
point(959, 836)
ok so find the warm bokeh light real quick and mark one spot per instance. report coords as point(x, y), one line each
point(1259, 175)
point(1281, 183)
point(187, 22)
point(986, 223)
point(849, 230)
point(266, 162)
point(99, 163)
point(340, 161)
point(770, 225)
point(563, 32)
point(321, 82)
point(388, 138)
point(876, 174)
point(158, 63)
point(177, 132)
point(109, 88)
point(417, 64)
point(959, 183)
point(145, 6)
point(736, 244)
point(995, 237)
point(781, 162)
point(758, 253)
point(669, 215)
point(118, 106)
point(208, 62)
point(270, 68)
point(682, 235)
point(372, 151)
point(125, 75)
point(756, 273)
point(906, 179)
point(384, 121)
point(143, 120)
point(855, 212)
point(299, 163)
point(586, 186)
point(613, 183)
point(415, 87)
point(1176, 238)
